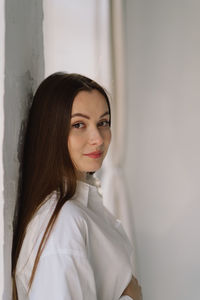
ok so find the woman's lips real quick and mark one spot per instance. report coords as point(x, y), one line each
point(94, 154)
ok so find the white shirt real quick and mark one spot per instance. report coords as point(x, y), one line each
point(87, 257)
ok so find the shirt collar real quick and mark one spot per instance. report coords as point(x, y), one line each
point(82, 192)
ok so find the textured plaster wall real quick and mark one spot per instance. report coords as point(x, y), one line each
point(2, 41)
point(24, 68)
point(163, 154)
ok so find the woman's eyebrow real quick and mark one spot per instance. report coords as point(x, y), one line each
point(87, 117)
point(105, 114)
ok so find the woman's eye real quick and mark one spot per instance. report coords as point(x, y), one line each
point(78, 125)
point(104, 123)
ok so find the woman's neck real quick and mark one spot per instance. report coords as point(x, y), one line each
point(81, 176)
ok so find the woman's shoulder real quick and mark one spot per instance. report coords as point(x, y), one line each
point(70, 228)
point(70, 223)
point(68, 234)
point(71, 211)
point(72, 215)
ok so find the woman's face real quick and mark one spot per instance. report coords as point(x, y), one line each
point(90, 134)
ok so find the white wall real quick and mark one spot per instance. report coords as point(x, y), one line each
point(69, 29)
point(163, 153)
point(24, 68)
point(2, 60)
point(76, 38)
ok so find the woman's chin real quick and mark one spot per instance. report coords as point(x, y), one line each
point(92, 169)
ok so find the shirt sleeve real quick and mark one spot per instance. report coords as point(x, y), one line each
point(63, 276)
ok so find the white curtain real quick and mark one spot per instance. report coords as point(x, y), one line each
point(113, 181)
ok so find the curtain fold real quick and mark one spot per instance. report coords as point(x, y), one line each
point(113, 180)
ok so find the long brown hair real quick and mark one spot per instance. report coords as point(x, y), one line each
point(46, 163)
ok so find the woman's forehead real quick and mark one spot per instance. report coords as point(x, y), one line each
point(89, 102)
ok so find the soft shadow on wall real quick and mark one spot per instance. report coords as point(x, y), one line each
point(24, 69)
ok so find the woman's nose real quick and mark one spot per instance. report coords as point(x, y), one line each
point(95, 137)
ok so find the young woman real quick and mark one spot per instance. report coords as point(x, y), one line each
point(67, 246)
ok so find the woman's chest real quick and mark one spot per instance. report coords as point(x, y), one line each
point(109, 252)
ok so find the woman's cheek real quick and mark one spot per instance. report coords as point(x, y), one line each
point(79, 141)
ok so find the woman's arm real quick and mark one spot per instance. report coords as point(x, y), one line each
point(63, 276)
point(70, 276)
